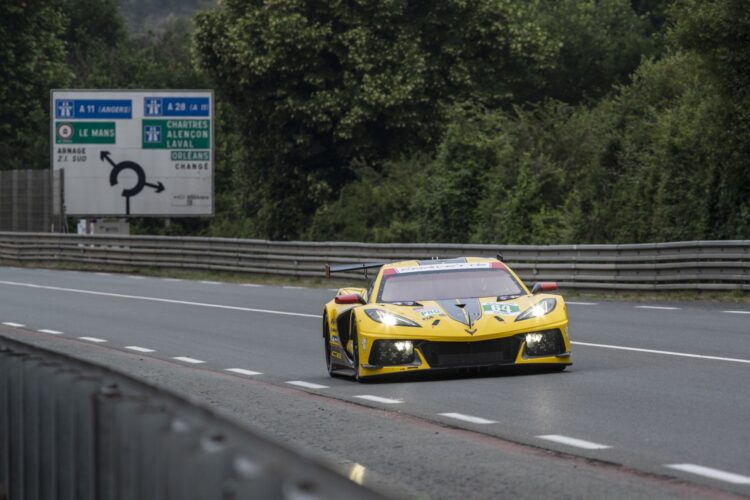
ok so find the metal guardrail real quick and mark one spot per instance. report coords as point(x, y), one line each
point(72, 430)
point(690, 265)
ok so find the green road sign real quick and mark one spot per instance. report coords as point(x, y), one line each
point(176, 134)
point(85, 133)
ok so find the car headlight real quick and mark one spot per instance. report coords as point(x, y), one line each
point(541, 308)
point(389, 319)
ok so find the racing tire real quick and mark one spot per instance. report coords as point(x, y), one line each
point(327, 346)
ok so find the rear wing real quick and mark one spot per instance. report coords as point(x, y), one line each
point(352, 267)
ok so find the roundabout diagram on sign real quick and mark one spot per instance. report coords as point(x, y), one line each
point(141, 182)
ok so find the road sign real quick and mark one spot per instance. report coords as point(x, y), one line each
point(134, 153)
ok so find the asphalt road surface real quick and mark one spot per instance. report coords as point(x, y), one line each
point(656, 404)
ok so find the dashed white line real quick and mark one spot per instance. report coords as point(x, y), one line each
point(659, 308)
point(253, 285)
point(668, 353)
point(138, 348)
point(185, 359)
point(582, 303)
point(92, 339)
point(721, 475)
point(293, 287)
point(242, 371)
point(14, 325)
point(157, 299)
point(171, 279)
point(309, 385)
point(211, 282)
point(378, 399)
point(736, 312)
point(137, 277)
point(578, 443)
point(468, 418)
point(103, 274)
point(51, 332)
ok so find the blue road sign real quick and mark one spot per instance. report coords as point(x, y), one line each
point(176, 106)
point(93, 109)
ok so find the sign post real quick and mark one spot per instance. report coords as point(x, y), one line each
point(134, 153)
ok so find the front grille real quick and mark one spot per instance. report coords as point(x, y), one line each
point(479, 353)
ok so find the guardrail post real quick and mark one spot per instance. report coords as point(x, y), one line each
point(30, 437)
point(4, 422)
point(105, 450)
point(16, 427)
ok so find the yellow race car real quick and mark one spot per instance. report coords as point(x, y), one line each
point(461, 313)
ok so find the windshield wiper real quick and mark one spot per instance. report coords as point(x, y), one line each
point(501, 298)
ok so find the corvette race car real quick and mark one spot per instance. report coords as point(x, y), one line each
point(468, 312)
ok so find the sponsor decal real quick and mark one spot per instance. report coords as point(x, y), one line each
point(429, 312)
point(364, 344)
point(501, 308)
point(445, 266)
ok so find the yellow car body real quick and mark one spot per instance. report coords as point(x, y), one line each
point(367, 333)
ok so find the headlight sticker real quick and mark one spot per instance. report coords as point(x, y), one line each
point(501, 308)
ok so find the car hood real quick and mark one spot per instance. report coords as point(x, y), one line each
point(467, 317)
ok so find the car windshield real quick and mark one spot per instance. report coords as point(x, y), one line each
point(443, 285)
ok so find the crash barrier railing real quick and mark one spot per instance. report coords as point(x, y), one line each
point(689, 265)
point(72, 430)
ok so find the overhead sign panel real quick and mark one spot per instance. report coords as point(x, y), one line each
point(134, 153)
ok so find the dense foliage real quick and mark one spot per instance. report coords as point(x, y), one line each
point(505, 121)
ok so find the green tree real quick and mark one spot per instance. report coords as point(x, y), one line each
point(32, 61)
point(319, 84)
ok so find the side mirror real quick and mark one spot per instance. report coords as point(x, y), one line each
point(543, 286)
point(350, 298)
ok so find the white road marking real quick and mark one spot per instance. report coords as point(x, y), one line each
point(51, 332)
point(721, 475)
point(14, 325)
point(243, 371)
point(185, 359)
point(211, 282)
point(137, 277)
point(378, 399)
point(139, 349)
point(578, 443)
point(582, 303)
point(293, 287)
point(171, 279)
point(103, 274)
point(468, 418)
point(157, 299)
point(736, 312)
point(659, 308)
point(92, 339)
point(308, 385)
point(668, 353)
point(254, 285)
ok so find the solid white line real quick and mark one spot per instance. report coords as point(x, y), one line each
point(378, 399)
point(51, 332)
point(254, 285)
point(668, 353)
point(137, 277)
point(92, 339)
point(578, 443)
point(156, 299)
point(171, 279)
point(211, 282)
point(721, 475)
point(659, 308)
point(139, 349)
point(103, 274)
point(736, 312)
point(243, 371)
point(582, 303)
point(188, 360)
point(14, 325)
point(468, 418)
point(309, 385)
point(293, 287)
